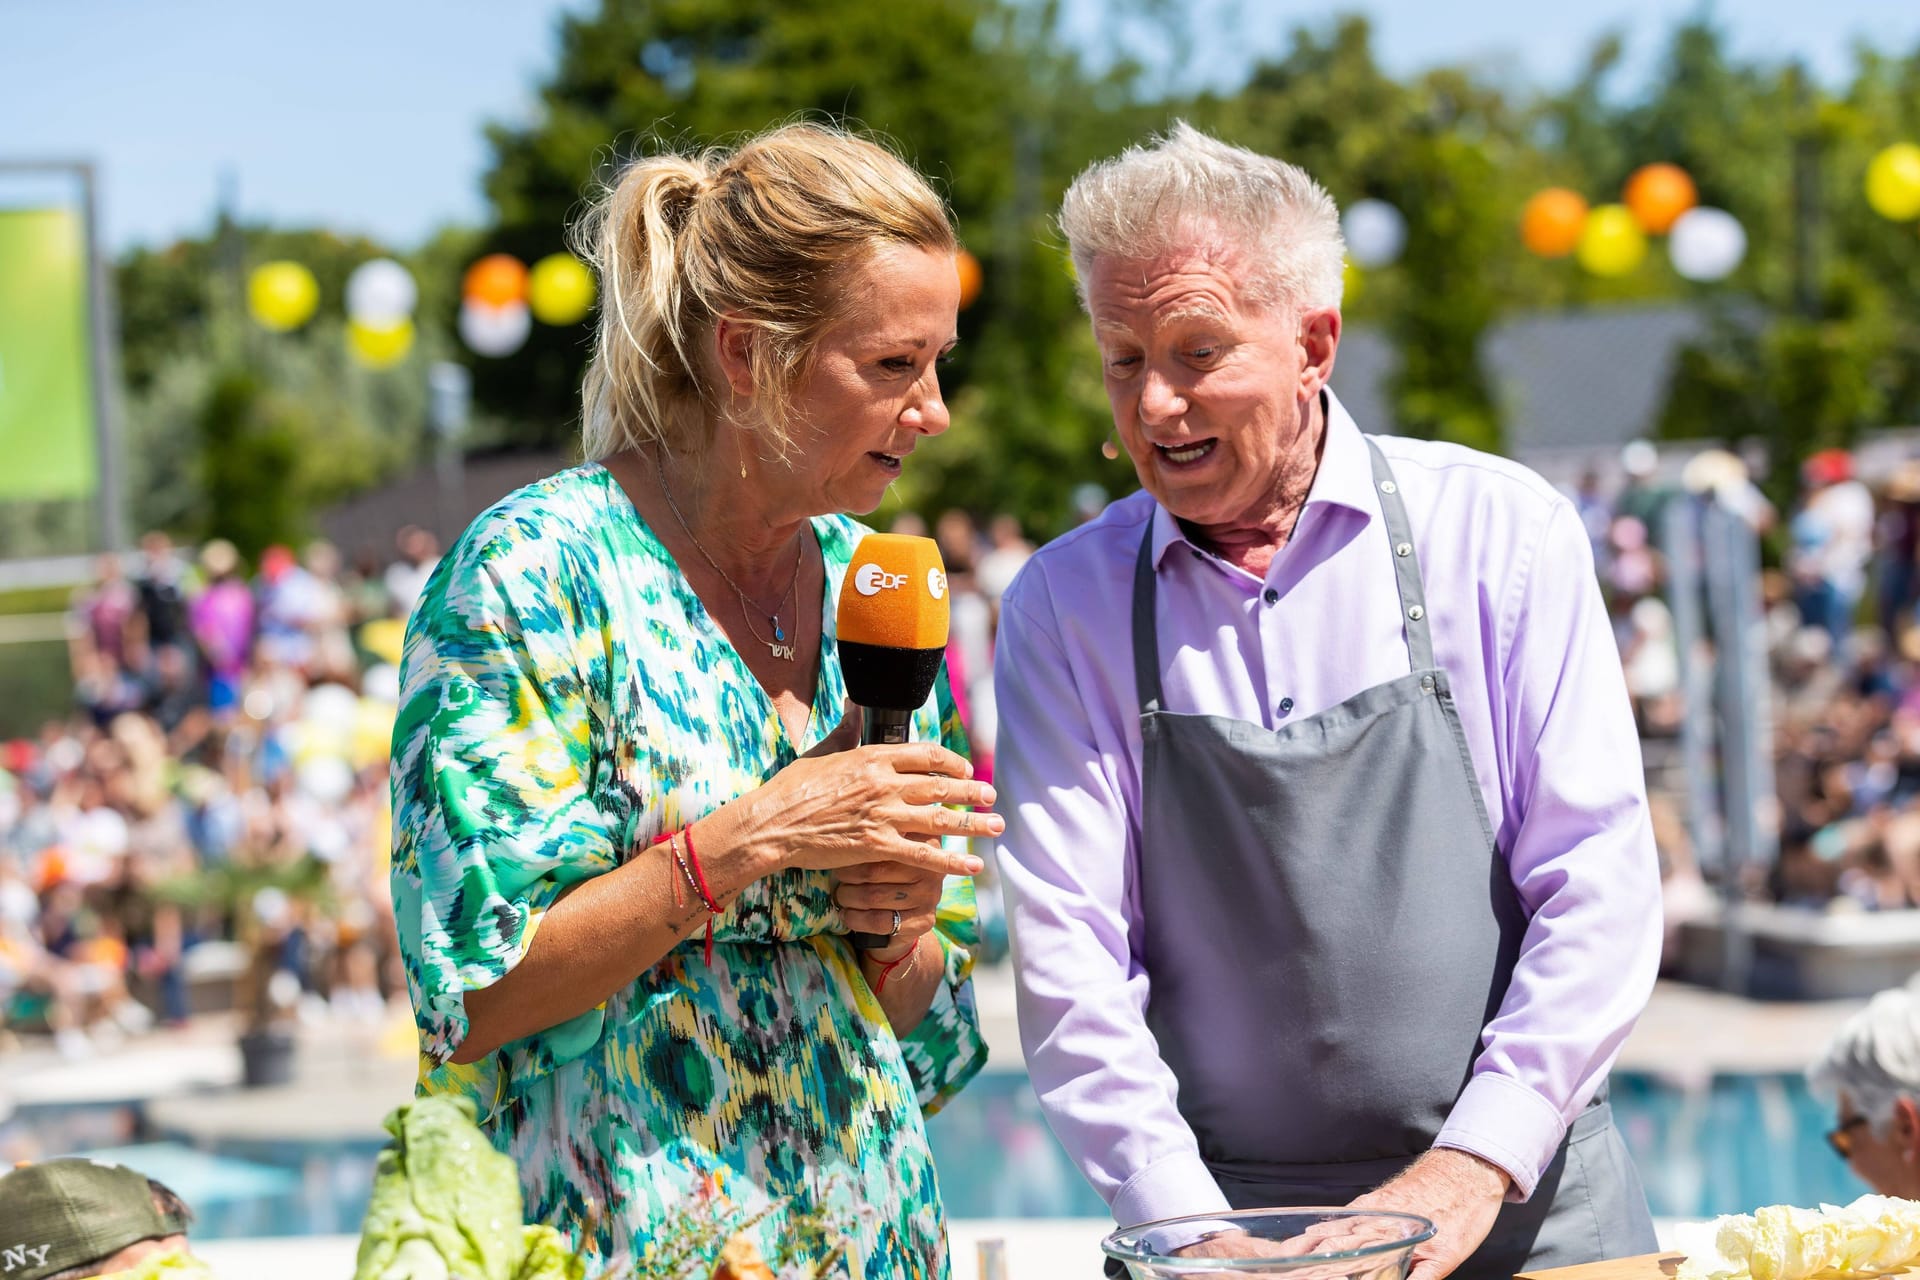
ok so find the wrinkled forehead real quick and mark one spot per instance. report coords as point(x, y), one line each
point(1189, 282)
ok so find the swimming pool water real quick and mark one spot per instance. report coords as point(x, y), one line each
point(1724, 1145)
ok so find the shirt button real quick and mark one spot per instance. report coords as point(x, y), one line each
point(1270, 596)
point(1286, 705)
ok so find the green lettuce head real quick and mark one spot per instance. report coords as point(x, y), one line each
point(445, 1203)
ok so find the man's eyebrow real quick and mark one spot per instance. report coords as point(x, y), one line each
point(1198, 311)
point(1192, 311)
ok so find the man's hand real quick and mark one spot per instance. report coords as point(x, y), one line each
point(1459, 1192)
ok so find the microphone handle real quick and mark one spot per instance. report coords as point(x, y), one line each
point(880, 725)
point(884, 725)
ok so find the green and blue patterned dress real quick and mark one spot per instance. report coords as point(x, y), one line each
point(566, 699)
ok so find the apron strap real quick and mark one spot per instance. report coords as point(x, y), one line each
point(1406, 562)
point(1146, 635)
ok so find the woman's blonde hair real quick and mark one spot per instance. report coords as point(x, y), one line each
point(760, 232)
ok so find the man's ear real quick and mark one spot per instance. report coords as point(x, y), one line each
point(1319, 341)
point(1906, 1128)
point(733, 352)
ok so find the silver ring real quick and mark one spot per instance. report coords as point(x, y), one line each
point(896, 925)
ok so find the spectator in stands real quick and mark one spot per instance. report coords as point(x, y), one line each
point(1641, 497)
point(1897, 544)
point(1832, 542)
point(164, 583)
point(407, 577)
point(1004, 559)
point(222, 618)
point(104, 614)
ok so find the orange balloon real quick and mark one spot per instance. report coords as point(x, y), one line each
point(970, 277)
point(497, 280)
point(1657, 194)
point(1551, 223)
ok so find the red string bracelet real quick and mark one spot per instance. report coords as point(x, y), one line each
point(912, 952)
point(700, 883)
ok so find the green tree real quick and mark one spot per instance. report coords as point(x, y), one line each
point(981, 95)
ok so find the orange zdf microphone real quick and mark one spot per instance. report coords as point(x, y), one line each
point(893, 630)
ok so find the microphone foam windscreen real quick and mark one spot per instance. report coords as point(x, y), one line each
point(895, 594)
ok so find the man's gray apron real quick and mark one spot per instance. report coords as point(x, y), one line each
point(1328, 929)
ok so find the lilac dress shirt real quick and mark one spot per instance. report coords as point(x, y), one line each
point(1520, 628)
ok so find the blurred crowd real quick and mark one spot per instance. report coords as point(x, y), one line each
point(1842, 639)
point(210, 824)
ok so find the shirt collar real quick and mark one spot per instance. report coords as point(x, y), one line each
point(1344, 478)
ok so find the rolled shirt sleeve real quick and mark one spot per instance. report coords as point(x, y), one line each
point(492, 816)
point(1581, 855)
point(1063, 864)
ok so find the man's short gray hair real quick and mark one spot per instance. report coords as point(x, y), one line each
point(1186, 186)
point(1874, 1058)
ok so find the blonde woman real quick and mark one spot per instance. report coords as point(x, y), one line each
point(632, 825)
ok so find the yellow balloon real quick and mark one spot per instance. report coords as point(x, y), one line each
point(1893, 182)
point(282, 295)
point(380, 347)
point(372, 732)
point(1350, 282)
point(384, 638)
point(1611, 244)
point(560, 289)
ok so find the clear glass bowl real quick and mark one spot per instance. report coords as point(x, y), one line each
point(1301, 1244)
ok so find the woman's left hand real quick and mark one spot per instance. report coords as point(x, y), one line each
point(869, 894)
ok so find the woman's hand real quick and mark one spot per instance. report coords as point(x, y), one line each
point(870, 893)
point(841, 805)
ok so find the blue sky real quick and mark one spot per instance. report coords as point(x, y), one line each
point(365, 115)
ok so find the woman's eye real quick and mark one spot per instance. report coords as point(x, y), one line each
point(899, 364)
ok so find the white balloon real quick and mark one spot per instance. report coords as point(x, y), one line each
point(381, 682)
point(380, 293)
point(328, 779)
point(331, 708)
point(1376, 233)
point(1706, 244)
point(494, 331)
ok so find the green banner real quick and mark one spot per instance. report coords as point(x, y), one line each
point(46, 384)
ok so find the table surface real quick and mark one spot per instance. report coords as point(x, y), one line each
point(1646, 1266)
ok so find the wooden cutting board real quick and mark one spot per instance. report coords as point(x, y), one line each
point(1647, 1266)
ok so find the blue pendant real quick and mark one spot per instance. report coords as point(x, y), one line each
point(778, 634)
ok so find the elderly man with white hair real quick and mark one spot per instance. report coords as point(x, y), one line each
point(1871, 1073)
point(1327, 855)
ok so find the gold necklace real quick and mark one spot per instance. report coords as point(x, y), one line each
point(779, 646)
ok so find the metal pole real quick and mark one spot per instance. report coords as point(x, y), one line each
point(1733, 593)
point(1680, 540)
point(449, 399)
point(1737, 954)
point(106, 369)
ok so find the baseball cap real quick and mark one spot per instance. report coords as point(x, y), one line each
point(58, 1214)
